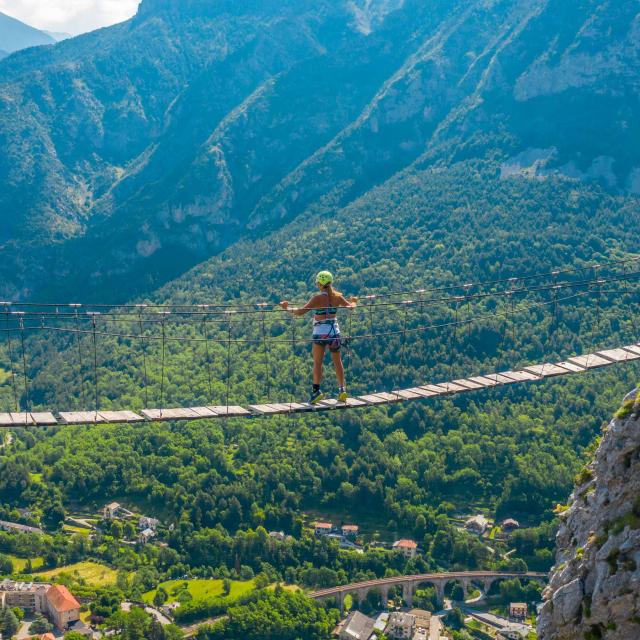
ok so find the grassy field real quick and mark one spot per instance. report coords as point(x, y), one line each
point(286, 587)
point(20, 563)
point(93, 573)
point(70, 528)
point(201, 589)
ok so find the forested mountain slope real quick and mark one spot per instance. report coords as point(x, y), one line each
point(134, 152)
point(428, 228)
point(513, 450)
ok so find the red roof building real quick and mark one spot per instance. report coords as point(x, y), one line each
point(518, 610)
point(509, 525)
point(62, 606)
point(322, 527)
point(409, 548)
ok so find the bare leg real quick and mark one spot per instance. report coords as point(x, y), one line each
point(339, 367)
point(318, 357)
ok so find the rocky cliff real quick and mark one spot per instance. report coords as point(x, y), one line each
point(594, 590)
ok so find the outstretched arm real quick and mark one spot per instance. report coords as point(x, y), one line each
point(298, 311)
point(313, 305)
point(349, 303)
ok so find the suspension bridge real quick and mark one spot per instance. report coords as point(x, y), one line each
point(91, 332)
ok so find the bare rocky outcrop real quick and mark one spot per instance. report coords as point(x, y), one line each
point(594, 588)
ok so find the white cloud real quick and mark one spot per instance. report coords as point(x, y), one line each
point(71, 16)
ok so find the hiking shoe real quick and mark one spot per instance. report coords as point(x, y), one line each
point(342, 396)
point(316, 397)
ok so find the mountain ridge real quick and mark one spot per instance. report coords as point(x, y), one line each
point(16, 35)
point(59, 36)
point(258, 121)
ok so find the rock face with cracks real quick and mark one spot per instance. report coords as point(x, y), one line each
point(594, 588)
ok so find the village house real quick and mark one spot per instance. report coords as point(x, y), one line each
point(19, 528)
point(322, 528)
point(510, 525)
point(148, 523)
point(477, 524)
point(145, 536)
point(357, 626)
point(400, 625)
point(277, 535)
point(518, 610)
point(111, 511)
point(501, 627)
point(62, 607)
point(409, 548)
point(514, 632)
point(350, 530)
point(29, 596)
point(422, 624)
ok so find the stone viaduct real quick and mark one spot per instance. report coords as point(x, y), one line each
point(410, 583)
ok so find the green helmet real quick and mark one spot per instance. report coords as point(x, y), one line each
point(324, 278)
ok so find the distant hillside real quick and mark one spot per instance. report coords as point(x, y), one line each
point(58, 36)
point(16, 35)
point(135, 152)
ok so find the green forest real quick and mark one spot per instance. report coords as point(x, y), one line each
point(408, 470)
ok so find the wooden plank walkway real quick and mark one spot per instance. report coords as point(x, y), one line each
point(532, 373)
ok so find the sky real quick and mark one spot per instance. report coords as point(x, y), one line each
point(69, 16)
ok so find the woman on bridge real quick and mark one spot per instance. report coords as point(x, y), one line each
point(326, 331)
